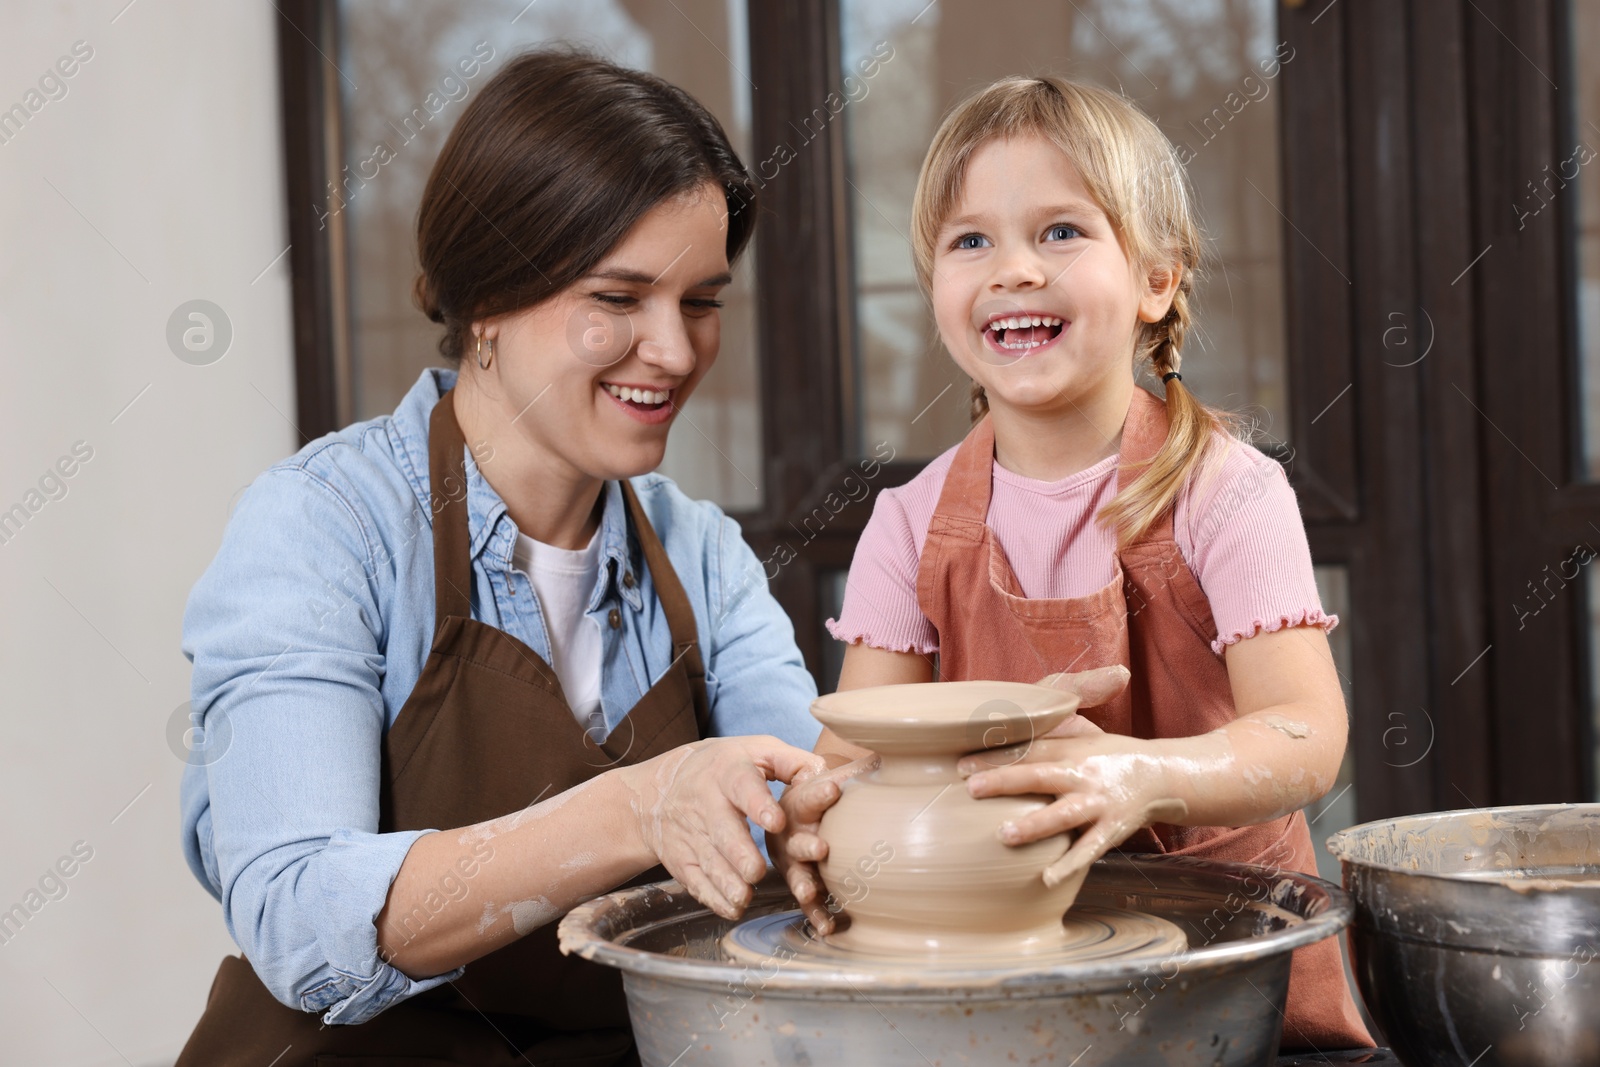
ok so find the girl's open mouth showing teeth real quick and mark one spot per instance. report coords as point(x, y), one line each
point(1021, 333)
point(641, 398)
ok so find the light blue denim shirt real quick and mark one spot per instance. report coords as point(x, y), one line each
point(309, 630)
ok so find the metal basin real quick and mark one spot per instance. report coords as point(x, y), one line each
point(1475, 932)
point(1218, 1003)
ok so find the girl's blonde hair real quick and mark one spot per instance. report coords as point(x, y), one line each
point(1136, 178)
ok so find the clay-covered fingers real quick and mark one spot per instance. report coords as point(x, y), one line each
point(804, 846)
point(700, 886)
point(719, 851)
point(687, 852)
point(1119, 820)
point(730, 835)
point(809, 893)
point(1074, 726)
point(993, 758)
point(798, 850)
point(804, 803)
point(744, 773)
point(1094, 688)
point(796, 853)
point(745, 787)
point(1049, 774)
point(1096, 841)
point(693, 805)
point(1068, 813)
point(782, 762)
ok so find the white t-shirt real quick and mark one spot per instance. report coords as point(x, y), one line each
point(562, 579)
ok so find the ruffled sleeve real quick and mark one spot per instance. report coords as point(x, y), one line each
point(1240, 527)
point(880, 600)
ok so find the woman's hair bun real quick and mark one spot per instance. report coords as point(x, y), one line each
point(422, 295)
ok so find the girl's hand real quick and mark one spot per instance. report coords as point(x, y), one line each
point(1094, 688)
point(691, 804)
point(797, 848)
point(1108, 784)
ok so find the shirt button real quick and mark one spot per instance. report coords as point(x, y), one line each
point(627, 579)
point(615, 618)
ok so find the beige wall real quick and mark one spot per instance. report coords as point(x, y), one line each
point(155, 180)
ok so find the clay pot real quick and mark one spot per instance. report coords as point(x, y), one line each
point(915, 860)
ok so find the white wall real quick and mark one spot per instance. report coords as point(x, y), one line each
point(155, 180)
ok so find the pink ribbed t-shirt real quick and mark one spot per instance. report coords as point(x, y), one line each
point(1237, 525)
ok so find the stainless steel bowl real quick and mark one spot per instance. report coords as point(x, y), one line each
point(1218, 1003)
point(1476, 933)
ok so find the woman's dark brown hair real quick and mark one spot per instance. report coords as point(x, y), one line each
point(544, 174)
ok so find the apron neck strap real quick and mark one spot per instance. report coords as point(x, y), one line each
point(675, 604)
point(970, 480)
point(969, 483)
point(447, 488)
point(674, 601)
point(1144, 431)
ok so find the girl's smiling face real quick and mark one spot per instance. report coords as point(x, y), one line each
point(1032, 291)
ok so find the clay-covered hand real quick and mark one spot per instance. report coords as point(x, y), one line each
point(1106, 785)
point(1093, 688)
point(797, 847)
point(691, 804)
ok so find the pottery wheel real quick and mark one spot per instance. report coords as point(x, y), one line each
point(1093, 934)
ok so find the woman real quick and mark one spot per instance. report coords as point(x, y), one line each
point(524, 646)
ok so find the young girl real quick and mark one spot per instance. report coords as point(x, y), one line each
point(1085, 523)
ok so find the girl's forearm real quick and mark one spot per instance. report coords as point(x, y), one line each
point(1260, 766)
point(462, 893)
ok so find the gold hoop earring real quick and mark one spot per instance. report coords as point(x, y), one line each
point(481, 364)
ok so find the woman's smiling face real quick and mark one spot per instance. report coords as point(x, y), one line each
point(595, 375)
point(1032, 291)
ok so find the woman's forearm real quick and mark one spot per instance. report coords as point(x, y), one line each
point(462, 893)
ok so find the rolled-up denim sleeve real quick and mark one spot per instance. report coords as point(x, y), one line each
point(758, 679)
point(286, 638)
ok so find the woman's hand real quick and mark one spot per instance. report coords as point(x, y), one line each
point(691, 804)
point(797, 848)
point(1107, 784)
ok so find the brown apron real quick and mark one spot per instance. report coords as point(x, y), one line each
point(1152, 618)
point(484, 732)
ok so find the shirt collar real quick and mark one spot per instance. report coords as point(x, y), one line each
point(490, 530)
point(614, 548)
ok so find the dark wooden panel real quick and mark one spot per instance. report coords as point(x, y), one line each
point(794, 49)
point(1517, 290)
point(1390, 645)
point(303, 27)
point(1573, 517)
point(1439, 333)
point(794, 59)
point(1317, 262)
point(1334, 543)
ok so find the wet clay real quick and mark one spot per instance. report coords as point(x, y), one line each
point(1089, 934)
point(915, 861)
